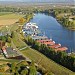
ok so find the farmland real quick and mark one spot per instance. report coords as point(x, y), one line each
point(8, 19)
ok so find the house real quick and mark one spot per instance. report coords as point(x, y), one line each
point(55, 46)
point(61, 49)
point(47, 42)
point(39, 37)
point(4, 51)
point(42, 41)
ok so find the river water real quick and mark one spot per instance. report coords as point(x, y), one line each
point(54, 30)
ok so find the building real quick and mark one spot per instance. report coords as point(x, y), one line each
point(52, 44)
point(42, 41)
point(9, 52)
point(4, 51)
point(47, 42)
point(55, 46)
point(39, 37)
point(61, 49)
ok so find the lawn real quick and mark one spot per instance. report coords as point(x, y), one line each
point(48, 64)
point(17, 40)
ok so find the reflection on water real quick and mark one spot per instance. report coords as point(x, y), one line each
point(54, 30)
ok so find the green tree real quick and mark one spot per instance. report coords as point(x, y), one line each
point(24, 72)
point(32, 70)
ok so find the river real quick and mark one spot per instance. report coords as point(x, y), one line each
point(54, 30)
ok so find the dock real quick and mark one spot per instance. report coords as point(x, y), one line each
point(31, 29)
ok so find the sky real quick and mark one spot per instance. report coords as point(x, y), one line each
point(40, 0)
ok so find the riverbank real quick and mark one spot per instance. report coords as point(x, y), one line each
point(69, 28)
point(66, 20)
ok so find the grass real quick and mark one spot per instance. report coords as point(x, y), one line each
point(17, 40)
point(5, 73)
point(39, 58)
point(5, 13)
point(11, 16)
point(8, 60)
point(3, 63)
point(48, 64)
point(9, 19)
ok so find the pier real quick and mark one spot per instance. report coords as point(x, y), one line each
point(31, 28)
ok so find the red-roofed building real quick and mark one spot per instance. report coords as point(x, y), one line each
point(52, 44)
point(42, 41)
point(61, 49)
point(55, 46)
point(3, 48)
point(49, 43)
point(4, 51)
point(46, 42)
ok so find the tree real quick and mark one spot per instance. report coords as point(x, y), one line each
point(12, 34)
point(32, 70)
point(24, 72)
point(21, 20)
point(13, 65)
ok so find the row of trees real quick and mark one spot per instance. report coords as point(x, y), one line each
point(23, 68)
point(5, 38)
point(26, 18)
point(26, 68)
point(66, 23)
point(59, 57)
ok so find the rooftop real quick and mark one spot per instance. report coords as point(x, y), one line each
point(55, 46)
point(46, 40)
point(61, 49)
point(39, 37)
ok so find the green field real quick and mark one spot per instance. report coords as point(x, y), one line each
point(10, 16)
point(5, 13)
point(18, 41)
point(48, 64)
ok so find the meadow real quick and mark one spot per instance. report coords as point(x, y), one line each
point(46, 63)
point(9, 18)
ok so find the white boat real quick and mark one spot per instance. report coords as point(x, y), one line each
point(31, 26)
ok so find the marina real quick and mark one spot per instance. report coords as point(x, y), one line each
point(55, 31)
point(31, 28)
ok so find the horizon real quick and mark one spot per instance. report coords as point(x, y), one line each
point(30, 1)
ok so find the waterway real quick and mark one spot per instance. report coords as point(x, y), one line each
point(52, 29)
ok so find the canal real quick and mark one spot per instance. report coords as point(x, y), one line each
point(52, 29)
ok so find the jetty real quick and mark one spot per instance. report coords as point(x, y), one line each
point(32, 30)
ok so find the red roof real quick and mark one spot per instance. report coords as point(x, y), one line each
point(47, 40)
point(55, 46)
point(49, 43)
point(4, 48)
point(61, 49)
